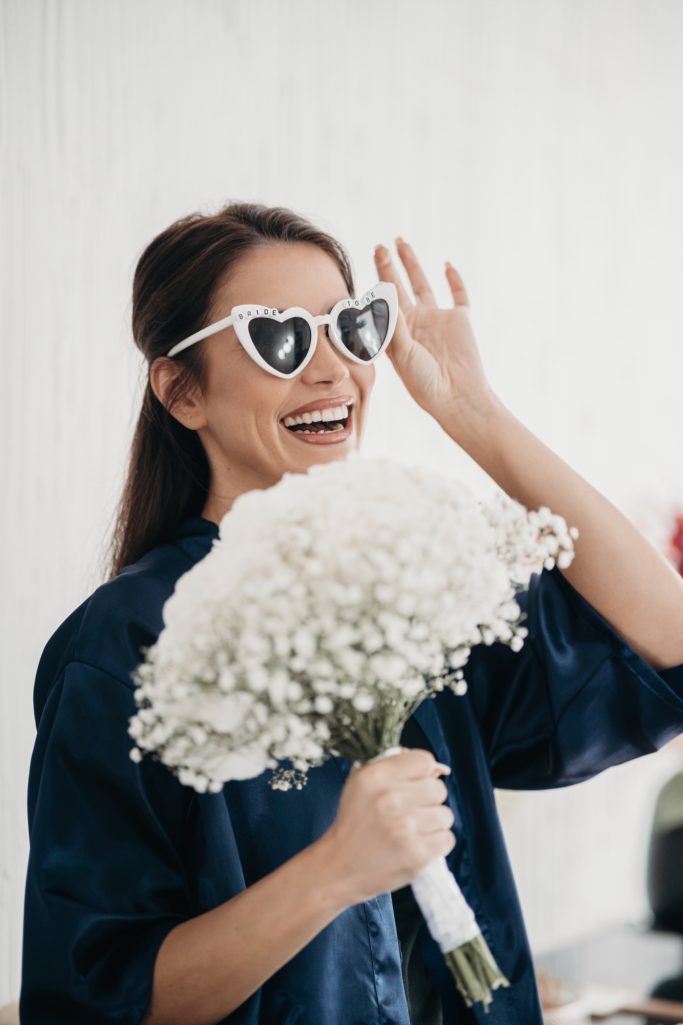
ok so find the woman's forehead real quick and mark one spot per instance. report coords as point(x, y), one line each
point(281, 276)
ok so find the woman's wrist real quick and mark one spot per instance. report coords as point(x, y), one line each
point(330, 880)
point(476, 423)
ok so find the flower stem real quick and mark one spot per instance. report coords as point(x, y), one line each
point(476, 972)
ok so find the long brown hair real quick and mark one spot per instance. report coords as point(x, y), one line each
point(168, 473)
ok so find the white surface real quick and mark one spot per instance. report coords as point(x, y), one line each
point(536, 145)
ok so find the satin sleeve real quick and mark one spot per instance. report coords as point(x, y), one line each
point(575, 700)
point(105, 879)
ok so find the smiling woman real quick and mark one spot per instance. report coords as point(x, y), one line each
point(246, 444)
point(210, 425)
point(283, 342)
point(146, 901)
point(264, 386)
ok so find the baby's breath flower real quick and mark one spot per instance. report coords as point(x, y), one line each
point(329, 606)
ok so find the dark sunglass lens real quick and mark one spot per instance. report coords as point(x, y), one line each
point(282, 346)
point(363, 332)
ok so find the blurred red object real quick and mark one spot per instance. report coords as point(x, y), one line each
point(676, 543)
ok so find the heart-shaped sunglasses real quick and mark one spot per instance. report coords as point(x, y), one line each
point(284, 342)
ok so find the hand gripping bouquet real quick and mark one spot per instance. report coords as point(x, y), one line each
point(328, 608)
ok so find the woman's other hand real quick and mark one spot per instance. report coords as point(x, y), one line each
point(434, 350)
point(390, 824)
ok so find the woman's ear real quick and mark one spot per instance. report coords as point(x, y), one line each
point(187, 407)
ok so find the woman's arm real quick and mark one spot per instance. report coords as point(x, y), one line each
point(615, 567)
point(253, 933)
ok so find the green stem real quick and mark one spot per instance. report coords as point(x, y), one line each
point(475, 971)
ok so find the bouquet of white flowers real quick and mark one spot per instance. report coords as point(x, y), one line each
point(328, 608)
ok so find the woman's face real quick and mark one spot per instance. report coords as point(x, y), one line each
point(239, 416)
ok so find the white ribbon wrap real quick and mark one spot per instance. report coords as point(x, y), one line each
point(449, 917)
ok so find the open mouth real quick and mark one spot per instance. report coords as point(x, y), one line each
point(322, 430)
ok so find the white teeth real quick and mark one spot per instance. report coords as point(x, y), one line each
point(332, 413)
point(332, 430)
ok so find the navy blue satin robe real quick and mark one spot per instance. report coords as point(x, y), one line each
point(121, 852)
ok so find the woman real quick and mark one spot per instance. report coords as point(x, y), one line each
point(148, 902)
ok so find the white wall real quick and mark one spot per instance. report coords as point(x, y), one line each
point(536, 144)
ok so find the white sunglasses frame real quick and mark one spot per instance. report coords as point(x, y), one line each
point(239, 319)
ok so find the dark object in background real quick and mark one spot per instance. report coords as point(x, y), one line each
point(646, 957)
point(665, 874)
point(665, 858)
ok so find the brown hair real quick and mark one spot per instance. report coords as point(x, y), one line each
point(168, 473)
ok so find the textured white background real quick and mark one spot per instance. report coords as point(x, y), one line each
point(536, 144)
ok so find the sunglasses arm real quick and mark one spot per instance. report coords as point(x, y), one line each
point(198, 335)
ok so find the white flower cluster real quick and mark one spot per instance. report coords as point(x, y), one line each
point(529, 540)
point(329, 606)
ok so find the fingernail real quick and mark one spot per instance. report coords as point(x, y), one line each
point(399, 238)
point(446, 768)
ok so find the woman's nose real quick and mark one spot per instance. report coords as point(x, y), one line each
point(327, 360)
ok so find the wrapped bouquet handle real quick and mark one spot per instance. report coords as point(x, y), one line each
point(453, 925)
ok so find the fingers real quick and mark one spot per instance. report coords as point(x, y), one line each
point(418, 278)
point(387, 272)
point(457, 286)
point(417, 763)
point(421, 792)
point(433, 818)
point(412, 763)
point(415, 806)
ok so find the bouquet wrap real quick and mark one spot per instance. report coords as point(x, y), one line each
point(452, 924)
